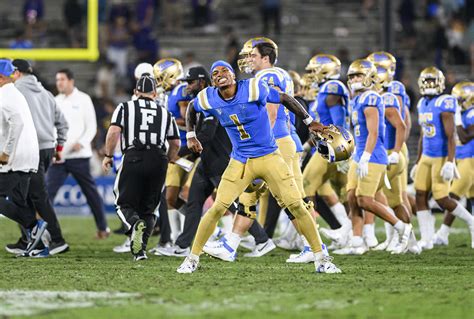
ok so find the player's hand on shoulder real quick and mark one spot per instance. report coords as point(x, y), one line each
point(194, 145)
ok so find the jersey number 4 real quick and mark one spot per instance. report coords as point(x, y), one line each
point(243, 133)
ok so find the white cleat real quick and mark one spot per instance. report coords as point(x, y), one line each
point(262, 249)
point(325, 265)
point(413, 245)
point(351, 250)
point(285, 244)
point(425, 245)
point(304, 257)
point(393, 242)
point(248, 242)
point(340, 236)
point(222, 251)
point(156, 250)
point(188, 266)
point(439, 240)
point(124, 248)
point(383, 245)
point(173, 251)
point(371, 241)
point(404, 238)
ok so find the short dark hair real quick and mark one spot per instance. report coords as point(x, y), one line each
point(267, 49)
point(68, 73)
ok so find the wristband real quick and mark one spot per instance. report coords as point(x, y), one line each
point(308, 120)
point(59, 148)
point(190, 135)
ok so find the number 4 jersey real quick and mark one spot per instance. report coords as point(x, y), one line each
point(244, 117)
point(435, 142)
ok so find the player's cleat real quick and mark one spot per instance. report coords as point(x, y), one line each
point(222, 251)
point(17, 248)
point(136, 240)
point(173, 251)
point(383, 245)
point(141, 255)
point(413, 245)
point(371, 241)
point(262, 249)
point(248, 242)
point(360, 250)
point(324, 264)
point(36, 253)
point(285, 244)
point(36, 234)
point(340, 236)
point(155, 250)
point(425, 245)
point(403, 243)
point(394, 242)
point(189, 265)
point(58, 247)
point(439, 240)
point(124, 248)
point(304, 257)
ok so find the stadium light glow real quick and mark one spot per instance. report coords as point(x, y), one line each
point(90, 53)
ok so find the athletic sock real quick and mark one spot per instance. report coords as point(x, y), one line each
point(368, 230)
point(425, 222)
point(462, 213)
point(227, 223)
point(357, 241)
point(399, 227)
point(340, 213)
point(174, 223)
point(444, 231)
point(233, 240)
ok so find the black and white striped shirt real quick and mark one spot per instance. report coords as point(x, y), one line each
point(144, 120)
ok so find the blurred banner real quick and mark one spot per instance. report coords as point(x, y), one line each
point(71, 201)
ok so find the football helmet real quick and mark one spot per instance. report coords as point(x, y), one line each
point(367, 70)
point(384, 59)
point(308, 89)
point(464, 93)
point(296, 78)
point(383, 77)
point(335, 144)
point(245, 66)
point(431, 81)
point(167, 72)
point(322, 67)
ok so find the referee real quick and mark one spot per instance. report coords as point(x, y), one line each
point(143, 128)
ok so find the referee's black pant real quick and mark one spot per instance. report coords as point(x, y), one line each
point(201, 188)
point(138, 187)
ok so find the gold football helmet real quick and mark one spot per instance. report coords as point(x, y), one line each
point(383, 78)
point(464, 93)
point(335, 144)
point(296, 78)
point(367, 70)
point(245, 66)
point(308, 89)
point(431, 81)
point(167, 72)
point(322, 67)
point(384, 59)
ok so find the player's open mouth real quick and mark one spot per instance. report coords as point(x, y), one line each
point(222, 80)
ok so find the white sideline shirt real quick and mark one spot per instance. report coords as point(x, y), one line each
point(18, 136)
point(80, 115)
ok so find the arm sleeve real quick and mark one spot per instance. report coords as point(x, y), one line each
point(60, 122)
point(117, 116)
point(90, 121)
point(173, 132)
point(15, 126)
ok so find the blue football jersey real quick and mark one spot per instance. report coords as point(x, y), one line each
point(337, 115)
point(398, 89)
point(390, 100)
point(435, 143)
point(358, 105)
point(177, 95)
point(244, 117)
point(466, 150)
point(275, 78)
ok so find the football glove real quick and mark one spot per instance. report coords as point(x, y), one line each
point(363, 165)
point(394, 158)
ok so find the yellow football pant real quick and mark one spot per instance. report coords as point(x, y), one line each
point(463, 186)
point(394, 174)
point(237, 176)
point(368, 185)
point(428, 176)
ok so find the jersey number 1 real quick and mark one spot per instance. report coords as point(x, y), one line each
point(243, 133)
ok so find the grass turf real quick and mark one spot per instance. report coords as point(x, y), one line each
point(436, 284)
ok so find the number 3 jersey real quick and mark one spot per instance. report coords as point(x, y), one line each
point(244, 117)
point(358, 105)
point(435, 142)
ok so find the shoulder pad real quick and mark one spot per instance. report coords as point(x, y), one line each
point(446, 100)
point(203, 99)
point(397, 88)
point(273, 74)
point(368, 94)
point(178, 88)
point(334, 87)
point(389, 99)
point(254, 88)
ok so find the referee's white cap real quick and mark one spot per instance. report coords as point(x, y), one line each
point(143, 68)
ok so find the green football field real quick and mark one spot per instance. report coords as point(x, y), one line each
point(91, 281)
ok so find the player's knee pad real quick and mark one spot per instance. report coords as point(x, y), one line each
point(248, 211)
point(297, 209)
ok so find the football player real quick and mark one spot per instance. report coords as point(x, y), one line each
point(167, 72)
point(241, 108)
point(368, 168)
point(330, 108)
point(435, 167)
point(464, 186)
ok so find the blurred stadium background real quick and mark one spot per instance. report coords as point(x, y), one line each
point(419, 33)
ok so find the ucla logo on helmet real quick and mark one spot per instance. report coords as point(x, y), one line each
point(165, 65)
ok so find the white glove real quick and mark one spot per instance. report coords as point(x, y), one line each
point(343, 166)
point(447, 171)
point(394, 158)
point(413, 172)
point(363, 165)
